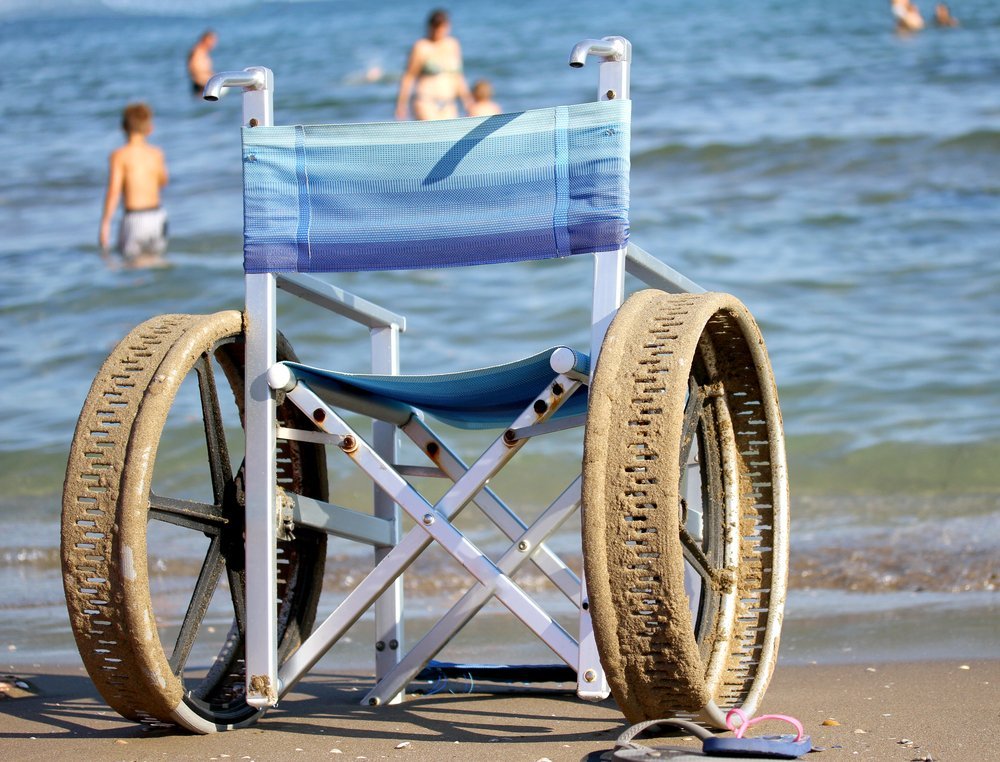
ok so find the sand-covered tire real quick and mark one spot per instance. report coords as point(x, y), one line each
point(162, 635)
point(685, 507)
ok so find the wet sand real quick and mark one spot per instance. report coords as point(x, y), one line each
point(898, 711)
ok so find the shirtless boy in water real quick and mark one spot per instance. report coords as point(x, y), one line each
point(137, 172)
point(199, 61)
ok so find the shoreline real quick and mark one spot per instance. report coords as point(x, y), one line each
point(940, 710)
point(821, 626)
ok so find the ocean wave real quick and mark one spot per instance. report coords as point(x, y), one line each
point(856, 152)
point(985, 141)
point(821, 465)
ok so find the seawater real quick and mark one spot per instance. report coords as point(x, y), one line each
point(840, 179)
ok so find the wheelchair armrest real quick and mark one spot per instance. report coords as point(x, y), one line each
point(653, 272)
point(337, 300)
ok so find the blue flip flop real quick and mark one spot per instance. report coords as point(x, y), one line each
point(785, 746)
point(789, 746)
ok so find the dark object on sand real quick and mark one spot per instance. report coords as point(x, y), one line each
point(14, 687)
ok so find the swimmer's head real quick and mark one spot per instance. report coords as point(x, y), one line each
point(438, 24)
point(137, 118)
point(482, 90)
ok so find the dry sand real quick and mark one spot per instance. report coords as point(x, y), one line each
point(897, 711)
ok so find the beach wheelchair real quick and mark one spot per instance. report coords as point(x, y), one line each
point(682, 487)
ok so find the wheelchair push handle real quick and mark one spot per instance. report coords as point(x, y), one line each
point(248, 79)
point(615, 54)
point(257, 84)
point(608, 48)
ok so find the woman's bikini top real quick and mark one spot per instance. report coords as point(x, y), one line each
point(432, 66)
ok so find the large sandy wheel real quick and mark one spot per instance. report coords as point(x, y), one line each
point(685, 502)
point(153, 558)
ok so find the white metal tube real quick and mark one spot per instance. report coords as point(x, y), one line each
point(311, 289)
point(389, 606)
point(261, 528)
point(261, 637)
point(609, 291)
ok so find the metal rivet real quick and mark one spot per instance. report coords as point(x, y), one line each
point(611, 95)
point(253, 122)
point(380, 646)
point(590, 675)
point(428, 519)
point(393, 644)
point(541, 406)
point(319, 415)
point(373, 702)
point(523, 545)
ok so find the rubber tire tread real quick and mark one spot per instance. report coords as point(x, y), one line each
point(149, 363)
point(635, 578)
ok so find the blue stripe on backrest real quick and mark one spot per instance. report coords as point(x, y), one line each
point(400, 195)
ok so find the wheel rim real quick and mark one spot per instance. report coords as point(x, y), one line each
point(685, 506)
point(146, 659)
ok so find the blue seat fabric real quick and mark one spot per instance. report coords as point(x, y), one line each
point(484, 398)
point(405, 195)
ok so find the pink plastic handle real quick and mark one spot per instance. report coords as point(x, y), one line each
point(738, 714)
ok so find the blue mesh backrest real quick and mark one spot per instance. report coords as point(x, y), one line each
point(400, 195)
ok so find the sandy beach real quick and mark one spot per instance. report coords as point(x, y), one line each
point(831, 174)
point(894, 711)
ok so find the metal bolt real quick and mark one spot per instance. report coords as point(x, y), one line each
point(523, 545)
point(557, 389)
point(590, 675)
point(428, 519)
point(393, 644)
point(319, 415)
point(349, 444)
point(541, 406)
point(373, 701)
point(253, 122)
point(611, 95)
point(380, 646)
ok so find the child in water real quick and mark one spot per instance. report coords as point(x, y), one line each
point(137, 171)
point(482, 100)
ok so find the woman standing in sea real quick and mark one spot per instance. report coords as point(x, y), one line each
point(433, 74)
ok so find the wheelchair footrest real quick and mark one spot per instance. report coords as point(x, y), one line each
point(499, 673)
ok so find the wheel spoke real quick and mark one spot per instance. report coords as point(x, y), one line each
point(696, 557)
point(238, 593)
point(692, 412)
point(204, 589)
point(215, 433)
point(186, 513)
